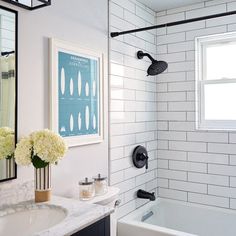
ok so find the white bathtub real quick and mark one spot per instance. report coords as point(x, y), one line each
point(174, 218)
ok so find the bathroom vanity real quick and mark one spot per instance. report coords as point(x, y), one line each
point(60, 216)
point(100, 228)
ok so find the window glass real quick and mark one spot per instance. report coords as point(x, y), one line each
point(216, 82)
point(220, 61)
point(220, 101)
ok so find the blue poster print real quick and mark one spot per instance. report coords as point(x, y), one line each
point(78, 91)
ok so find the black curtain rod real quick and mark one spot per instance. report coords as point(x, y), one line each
point(115, 34)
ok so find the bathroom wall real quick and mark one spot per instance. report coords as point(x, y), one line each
point(157, 112)
point(84, 23)
point(193, 166)
point(133, 108)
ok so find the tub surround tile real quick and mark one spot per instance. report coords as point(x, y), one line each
point(208, 200)
point(133, 100)
point(173, 194)
point(191, 165)
point(200, 166)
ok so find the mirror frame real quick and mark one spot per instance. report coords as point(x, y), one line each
point(16, 81)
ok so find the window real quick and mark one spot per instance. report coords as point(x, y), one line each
point(216, 82)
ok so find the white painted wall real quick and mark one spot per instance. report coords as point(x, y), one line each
point(193, 166)
point(84, 23)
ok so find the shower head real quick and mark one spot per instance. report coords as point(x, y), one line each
point(157, 67)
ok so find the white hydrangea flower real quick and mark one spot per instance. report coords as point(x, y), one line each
point(4, 131)
point(7, 146)
point(23, 152)
point(48, 146)
point(7, 142)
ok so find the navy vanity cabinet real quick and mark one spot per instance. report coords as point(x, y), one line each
point(100, 228)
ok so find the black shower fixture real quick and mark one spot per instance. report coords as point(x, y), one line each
point(168, 24)
point(156, 68)
point(140, 157)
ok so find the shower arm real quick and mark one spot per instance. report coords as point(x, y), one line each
point(141, 54)
point(149, 56)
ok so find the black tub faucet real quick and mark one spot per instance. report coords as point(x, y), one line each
point(146, 195)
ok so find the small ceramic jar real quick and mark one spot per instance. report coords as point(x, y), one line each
point(100, 183)
point(86, 189)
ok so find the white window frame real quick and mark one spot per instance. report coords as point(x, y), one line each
point(200, 73)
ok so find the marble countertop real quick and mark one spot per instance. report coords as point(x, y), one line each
point(79, 214)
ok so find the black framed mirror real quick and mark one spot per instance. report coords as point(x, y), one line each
point(8, 92)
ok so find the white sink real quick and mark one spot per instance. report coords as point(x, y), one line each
point(27, 222)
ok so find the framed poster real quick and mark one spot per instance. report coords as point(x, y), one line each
point(76, 93)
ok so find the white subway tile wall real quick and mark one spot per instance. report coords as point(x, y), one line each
point(195, 166)
point(133, 102)
point(159, 112)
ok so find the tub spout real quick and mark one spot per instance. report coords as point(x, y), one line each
point(146, 195)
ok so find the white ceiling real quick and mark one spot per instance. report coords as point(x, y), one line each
point(160, 5)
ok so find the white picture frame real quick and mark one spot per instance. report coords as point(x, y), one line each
point(76, 93)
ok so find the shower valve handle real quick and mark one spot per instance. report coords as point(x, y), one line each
point(140, 157)
point(143, 157)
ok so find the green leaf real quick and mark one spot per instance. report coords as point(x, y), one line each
point(38, 163)
point(10, 157)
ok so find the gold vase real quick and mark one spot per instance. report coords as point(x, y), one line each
point(43, 184)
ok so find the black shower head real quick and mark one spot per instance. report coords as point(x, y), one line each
point(157, 67)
